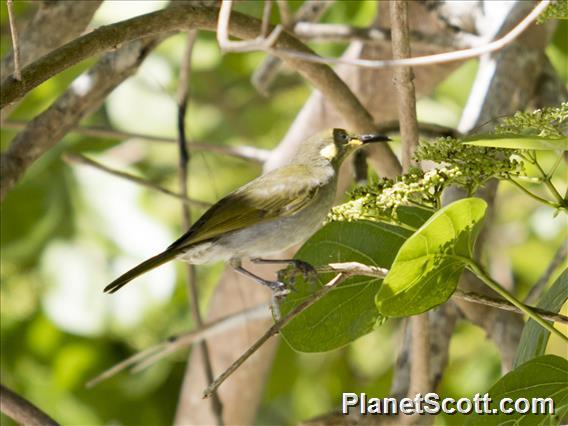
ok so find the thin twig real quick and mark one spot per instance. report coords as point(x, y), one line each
point(506, 306)
point(266, 18)
point(250, 153)
point(15, 41)
point(286, 16)
point(183, 16)
point(184, 159)
point(151, 355)
point(356, 268)
point(558, 259)
point(267, 71)
point(21, 410)
point(273, 331)
point(259, 43)
point(81, 159)
point(325, 32)
point(403, 78)
point(438, 58)
point(531, 312)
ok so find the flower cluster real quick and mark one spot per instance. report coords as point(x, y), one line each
point(380, 200)
point(463, 165)
point(476, 164)
point(551, 122)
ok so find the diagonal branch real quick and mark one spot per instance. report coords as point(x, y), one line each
point(86, 94)
point(439, 58)
point(81, 159)
point(21, 410)
point(180, 16)
point(249, 153)
point(272, 331)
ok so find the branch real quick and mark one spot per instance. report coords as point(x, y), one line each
point(55, 22)
point(184, 159)
point(318, 32)
point(86, 94)
point(15, 41)
point(266, 72)
point(275, 329)
point(249, 153)
point(439, 58)
point(356, 268)
point(153, 354)
point(81, 159)
point(503, 305)
point(21, 410)
point(260, 42)
point(184, 16)
point(403, 80)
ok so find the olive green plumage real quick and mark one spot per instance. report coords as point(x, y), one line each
point(269, 214)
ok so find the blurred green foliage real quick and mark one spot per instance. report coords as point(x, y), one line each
point(49, 364)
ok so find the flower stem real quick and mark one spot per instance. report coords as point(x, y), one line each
point(482, 275)
point(533, 195)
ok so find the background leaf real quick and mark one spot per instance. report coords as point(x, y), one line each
point(426, 270)
point(347, 312)
point(542, 377)
point(519, 142)
point(535, 338)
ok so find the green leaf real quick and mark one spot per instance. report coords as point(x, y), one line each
point(426, 270)
point(542, 377)
point(348, 311)
point(519, 142)
point(534, 338)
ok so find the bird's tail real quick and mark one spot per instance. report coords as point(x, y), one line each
point(145, 266)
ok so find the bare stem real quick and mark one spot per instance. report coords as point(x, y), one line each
point(15, 41)
point(81, 159)
point(457, 55)
point(275, 329)
point(533, 195)
point(153, 354)
point(21, 410)
point(249, 153)
point(482, 275)
point(404, 83)
point(149, 356)
point(184, 159)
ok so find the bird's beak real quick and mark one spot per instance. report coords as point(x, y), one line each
point(374, 137)
point(357, 141)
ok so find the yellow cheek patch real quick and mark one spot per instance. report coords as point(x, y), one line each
point(329, 151)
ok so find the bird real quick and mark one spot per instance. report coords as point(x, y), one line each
point(271, 213)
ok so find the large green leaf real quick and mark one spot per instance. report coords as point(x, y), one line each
point(535, 337)
point(542, 377)
point(348, 311)
point(519, 142)
point(427, 267)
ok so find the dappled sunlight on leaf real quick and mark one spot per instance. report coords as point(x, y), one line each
point(427, 267)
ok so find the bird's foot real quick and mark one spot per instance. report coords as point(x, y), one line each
point(295, 268)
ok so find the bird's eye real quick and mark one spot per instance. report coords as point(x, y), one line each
point(341, 135)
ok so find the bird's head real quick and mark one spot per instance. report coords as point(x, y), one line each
point(335, 146)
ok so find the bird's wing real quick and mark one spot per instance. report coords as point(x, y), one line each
point(280, 193)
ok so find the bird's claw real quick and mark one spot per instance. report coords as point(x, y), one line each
point(296, 267)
